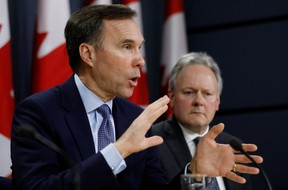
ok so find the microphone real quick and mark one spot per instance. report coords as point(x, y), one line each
point(30, 132)
point(236, 145)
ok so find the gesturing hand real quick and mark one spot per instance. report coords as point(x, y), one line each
point(134, 140)
point(216, 159)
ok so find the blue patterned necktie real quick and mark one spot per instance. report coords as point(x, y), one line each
point(212, 182)
point(105, 133)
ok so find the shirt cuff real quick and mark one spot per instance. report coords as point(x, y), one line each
point(113, 158)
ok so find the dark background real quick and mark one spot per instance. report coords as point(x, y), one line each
point(247, 38)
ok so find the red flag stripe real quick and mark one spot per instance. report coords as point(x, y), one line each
point(173, 6)
point(126, 2)
point(6, 91)
point(51, 63)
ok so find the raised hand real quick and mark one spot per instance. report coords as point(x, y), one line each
point(134, 140)
point(216, 159)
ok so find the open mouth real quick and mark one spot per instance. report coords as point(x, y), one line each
point(133, 81)
point(134, 77)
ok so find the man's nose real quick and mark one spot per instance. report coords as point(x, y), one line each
point(139, 60)
point(198, 99)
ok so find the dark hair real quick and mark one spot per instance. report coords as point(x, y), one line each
point(86, 26)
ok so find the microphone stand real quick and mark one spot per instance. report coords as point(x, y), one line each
point(236, 145)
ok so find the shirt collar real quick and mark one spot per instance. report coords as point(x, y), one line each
point(190, 135)
point(89, 99)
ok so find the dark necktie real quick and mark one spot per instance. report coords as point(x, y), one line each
point(212, 182)
point(105, 133)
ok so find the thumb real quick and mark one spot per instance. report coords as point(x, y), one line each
point(153, 141)
point(215, 131)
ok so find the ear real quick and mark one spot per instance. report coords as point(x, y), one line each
point(217, 103)
point(171, 97)
point(87, 53)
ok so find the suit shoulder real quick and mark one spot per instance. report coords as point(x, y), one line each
point(42, 97)
point(53, 94)
point(159, 128)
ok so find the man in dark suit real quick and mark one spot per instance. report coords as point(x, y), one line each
point(194, 89)
point(103, 44)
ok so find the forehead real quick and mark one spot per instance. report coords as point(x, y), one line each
point(123, 29)
point(198, 76)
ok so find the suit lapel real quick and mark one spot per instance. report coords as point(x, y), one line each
point(176, 143)
point(121, 124)
point(76, 119)
point(123, 116)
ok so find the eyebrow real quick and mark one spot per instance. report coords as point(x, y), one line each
point(127, 40)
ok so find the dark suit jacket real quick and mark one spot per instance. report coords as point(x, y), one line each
point(175, 154)
point(5, 183)
point(59, 115)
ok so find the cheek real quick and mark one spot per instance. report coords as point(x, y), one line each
point(211, 109)
point(112, 67)
point(213, 105)
point(182, 103)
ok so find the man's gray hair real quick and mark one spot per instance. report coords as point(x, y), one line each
point(196, 58)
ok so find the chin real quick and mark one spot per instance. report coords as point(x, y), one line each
point(130, 93)
point(127, 95)
point(198, 123)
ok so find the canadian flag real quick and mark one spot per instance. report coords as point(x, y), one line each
point(174, 42)
point(51, 65)
point(6, 90)
point(141, 92)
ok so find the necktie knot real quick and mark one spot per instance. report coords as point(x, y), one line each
point(104, 111)
point(196, 140)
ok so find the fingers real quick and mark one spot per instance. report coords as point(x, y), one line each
point(154, 111)
point(159, 107)
point(246, 169)
point(240, 158)
point(234, 177)
point(241, 169)
point(249, 147)
point(134, 140)
point(258, 159)
point(215, 131)
point(153, 141)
